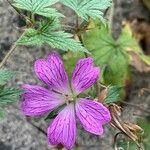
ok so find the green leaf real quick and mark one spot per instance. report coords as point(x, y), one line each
point(127, 40)
point(108, 53)
point(51, 24)
point(131, 44)
point(123, 144)
point(145, 58)
point(54, 112)
point(88, 8)
point(145, 125)
point(5, 75)
point(46, 34)
point(40, 7)
point(9, 95)
point(2, 113)
point(144, 141)
point(113, 94)
point(70, 60)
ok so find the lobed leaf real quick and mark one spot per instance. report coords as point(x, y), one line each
point(9, 95)
point(2, 113)
point(88, 8)
point(46, 34)
point(113, 93)
point(40, 7)
point(5, 75)
point(108, 53)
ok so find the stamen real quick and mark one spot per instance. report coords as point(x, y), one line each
point(69, 98)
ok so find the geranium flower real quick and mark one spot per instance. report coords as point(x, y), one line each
point(38, 100)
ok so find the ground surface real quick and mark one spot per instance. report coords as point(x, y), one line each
point(18, 132)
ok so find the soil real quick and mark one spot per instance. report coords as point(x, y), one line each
point(18, 132)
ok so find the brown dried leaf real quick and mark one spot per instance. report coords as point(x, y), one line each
point(115, 110)
point(138, 63)
point(142, 91)
point(133, 127)
point(132, 130)
point(103, 95)
point(129, 129)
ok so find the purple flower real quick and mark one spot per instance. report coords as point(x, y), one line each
point(38, 100)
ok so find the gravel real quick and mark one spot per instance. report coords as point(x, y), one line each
point(20, 133)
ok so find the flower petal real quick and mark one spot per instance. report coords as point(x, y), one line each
point(84, 75)
point(63, 128)
point(52, 72)
point(38, 100)
point(92, 115)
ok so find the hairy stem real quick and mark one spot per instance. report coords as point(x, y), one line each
point(79, 36)
point(80, 39)
point(77, 22)
point(10, 52)
point(97, 89)
point(27, 19)
point(83, 26)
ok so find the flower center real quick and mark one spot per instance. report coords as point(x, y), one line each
point(69, 98)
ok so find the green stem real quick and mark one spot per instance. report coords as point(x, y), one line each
point(83, 27)
point(33, 17)
point(10, 52)
point(80, 38)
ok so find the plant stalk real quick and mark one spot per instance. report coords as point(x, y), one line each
point(10, 52)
